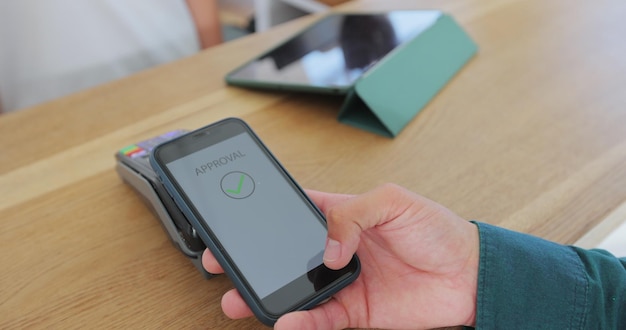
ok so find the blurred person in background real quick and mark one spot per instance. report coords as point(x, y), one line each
point(51, 48)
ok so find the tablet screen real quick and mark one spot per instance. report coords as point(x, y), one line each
point(333, 52)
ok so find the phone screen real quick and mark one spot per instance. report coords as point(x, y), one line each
point(270, 232)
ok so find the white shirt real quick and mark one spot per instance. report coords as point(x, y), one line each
point(50, 48)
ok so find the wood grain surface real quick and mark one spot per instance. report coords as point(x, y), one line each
point(530, 135)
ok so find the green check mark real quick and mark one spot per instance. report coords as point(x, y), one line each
point(238, 191)
point(245, 185)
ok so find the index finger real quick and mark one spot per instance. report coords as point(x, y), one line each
point(210, 263)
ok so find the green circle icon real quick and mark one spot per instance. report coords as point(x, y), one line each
point(237, 185)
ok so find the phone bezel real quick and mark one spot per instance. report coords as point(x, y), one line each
point(271, 307)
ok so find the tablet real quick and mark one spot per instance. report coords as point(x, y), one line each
point(332, 53)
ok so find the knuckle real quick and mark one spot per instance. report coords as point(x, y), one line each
point(391, 192)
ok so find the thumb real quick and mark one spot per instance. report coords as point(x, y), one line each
point(347, 220)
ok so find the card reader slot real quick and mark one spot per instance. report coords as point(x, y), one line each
point(166, 211)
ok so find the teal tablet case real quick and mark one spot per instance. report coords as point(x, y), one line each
point(392, 93)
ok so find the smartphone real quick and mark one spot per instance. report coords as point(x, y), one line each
point(265, 232)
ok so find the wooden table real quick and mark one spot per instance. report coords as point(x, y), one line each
point(530, 135)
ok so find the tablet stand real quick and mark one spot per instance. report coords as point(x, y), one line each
point(390, 94)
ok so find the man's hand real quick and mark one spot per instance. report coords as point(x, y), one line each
point(419, 264)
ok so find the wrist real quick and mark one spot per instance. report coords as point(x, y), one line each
point(471, 274)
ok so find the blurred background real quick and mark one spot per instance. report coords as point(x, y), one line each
point(49, 49)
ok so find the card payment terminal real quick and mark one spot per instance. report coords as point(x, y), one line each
point(133, 166)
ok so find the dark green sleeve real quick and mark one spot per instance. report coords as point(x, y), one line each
point(525, 282)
